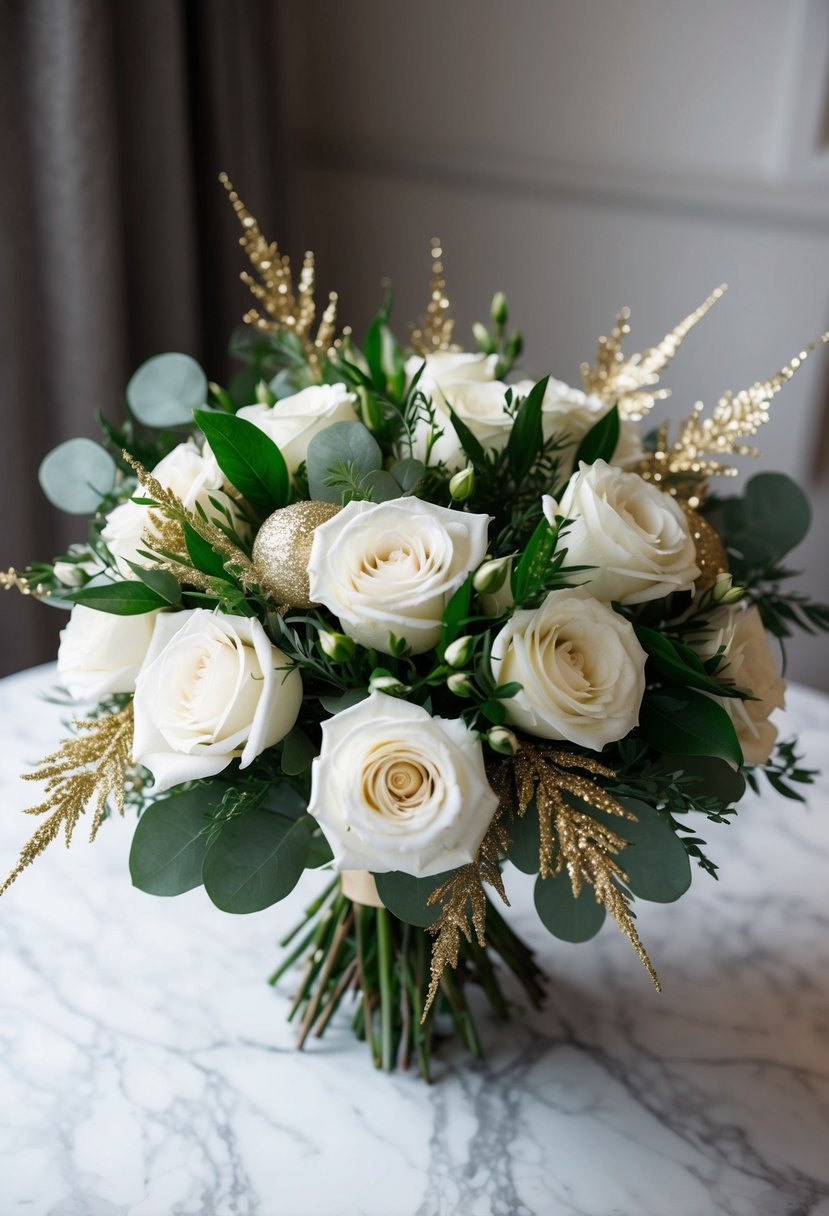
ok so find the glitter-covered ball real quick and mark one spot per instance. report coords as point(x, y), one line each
point(712, 558)
point(282, 550)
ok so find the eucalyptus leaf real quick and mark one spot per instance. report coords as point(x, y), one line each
point(383, 486)
point(406, 896)
point(76, 475)
point(525, 842)
point(341, 443)
point(255, 860)
point(713, 776)
point(169, 844)
point(408, 473)
point(655, 860)
point(297, 752)
point(571, 920)
point(166, 389)
point(336, 705)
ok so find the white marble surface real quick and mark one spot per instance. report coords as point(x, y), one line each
point(146, 1068)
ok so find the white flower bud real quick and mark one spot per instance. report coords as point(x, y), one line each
point(70, 574)
point(460, 684)
point(459, 652)
point(503, 741)
point(388, 684)
point(483, 337)
point(491, 576)
point(337, 646)
point(263, 394)
point(724, 591)
point(462, 484)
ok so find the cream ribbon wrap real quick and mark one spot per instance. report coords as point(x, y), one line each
point(359, 886)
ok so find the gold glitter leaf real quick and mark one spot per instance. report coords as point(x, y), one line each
point(684, 467)
point(627, 382)
point(463, 892)
point(85, 772)
point(568, 836)
point(435, 329)
point(286, 308)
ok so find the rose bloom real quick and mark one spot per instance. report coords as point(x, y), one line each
point(101, 653)
point(637, 538)
point(581, 668)
point(294, 421)
point(193, 476)
point(749, 664)
point(212, 688)
point(395, 789)
point(391, 567)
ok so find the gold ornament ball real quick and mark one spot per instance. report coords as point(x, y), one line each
point(712, 558)
point(282, 550)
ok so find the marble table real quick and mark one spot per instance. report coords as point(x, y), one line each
point(147, 1070)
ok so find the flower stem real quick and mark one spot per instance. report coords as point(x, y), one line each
point(386, 965)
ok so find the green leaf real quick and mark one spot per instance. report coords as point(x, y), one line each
point(601, 440)
point(336, 705)
point(688, 723)
point(679, 662)
point(571, 920)
point(778, 511)
point(714, 777)
point(76, 475)
point(383, 486)
point(468, 442)
point(342, 442)
point(408, 473)
point(169, 845)
point(455, 615)
point(524, 846)
point(249, 459)
point(256, 860)
point(122, 599)
point(166, 389)
point(405, 896)
point(162, 582)
point(297, 752)
point(283, 799)
point(532, 568)
point(202, 554)
point(527, 437)
point(655, 860)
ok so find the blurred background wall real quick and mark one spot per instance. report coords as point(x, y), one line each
point(579, 156)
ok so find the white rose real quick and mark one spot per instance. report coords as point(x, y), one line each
point(581, 668)
point(568, 414)
point(294, 421)
point(637, 538)
point(391, 567)
point(194, 477)
point(738, 632)
point(395, 789)
point(450, 366)
point(212, 688)
point(101, 654)
point(481, 405)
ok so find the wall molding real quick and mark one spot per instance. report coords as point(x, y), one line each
point(793, 205)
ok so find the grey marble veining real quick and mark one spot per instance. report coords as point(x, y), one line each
point(146, 1068)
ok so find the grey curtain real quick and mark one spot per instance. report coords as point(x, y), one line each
point(116, 241)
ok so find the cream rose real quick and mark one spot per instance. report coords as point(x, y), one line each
point(193, 476)
point(739, 634)
point(637, 538)
point(391, 567)
point(294, 421)
point(101, 654)
point(450, 367)
point(212, 688)
point(581, 668)
point(568, 414)
point(395, 789)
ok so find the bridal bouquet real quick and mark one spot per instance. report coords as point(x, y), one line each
point(392, 611)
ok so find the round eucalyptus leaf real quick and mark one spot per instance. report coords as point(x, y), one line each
point(655, 859)
point(166, 389)
point(571, 920)
point(256, 860)
point(346, 444)
point(406, 896)
point(170, 843)
point(524, 841)
point(76, 475)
